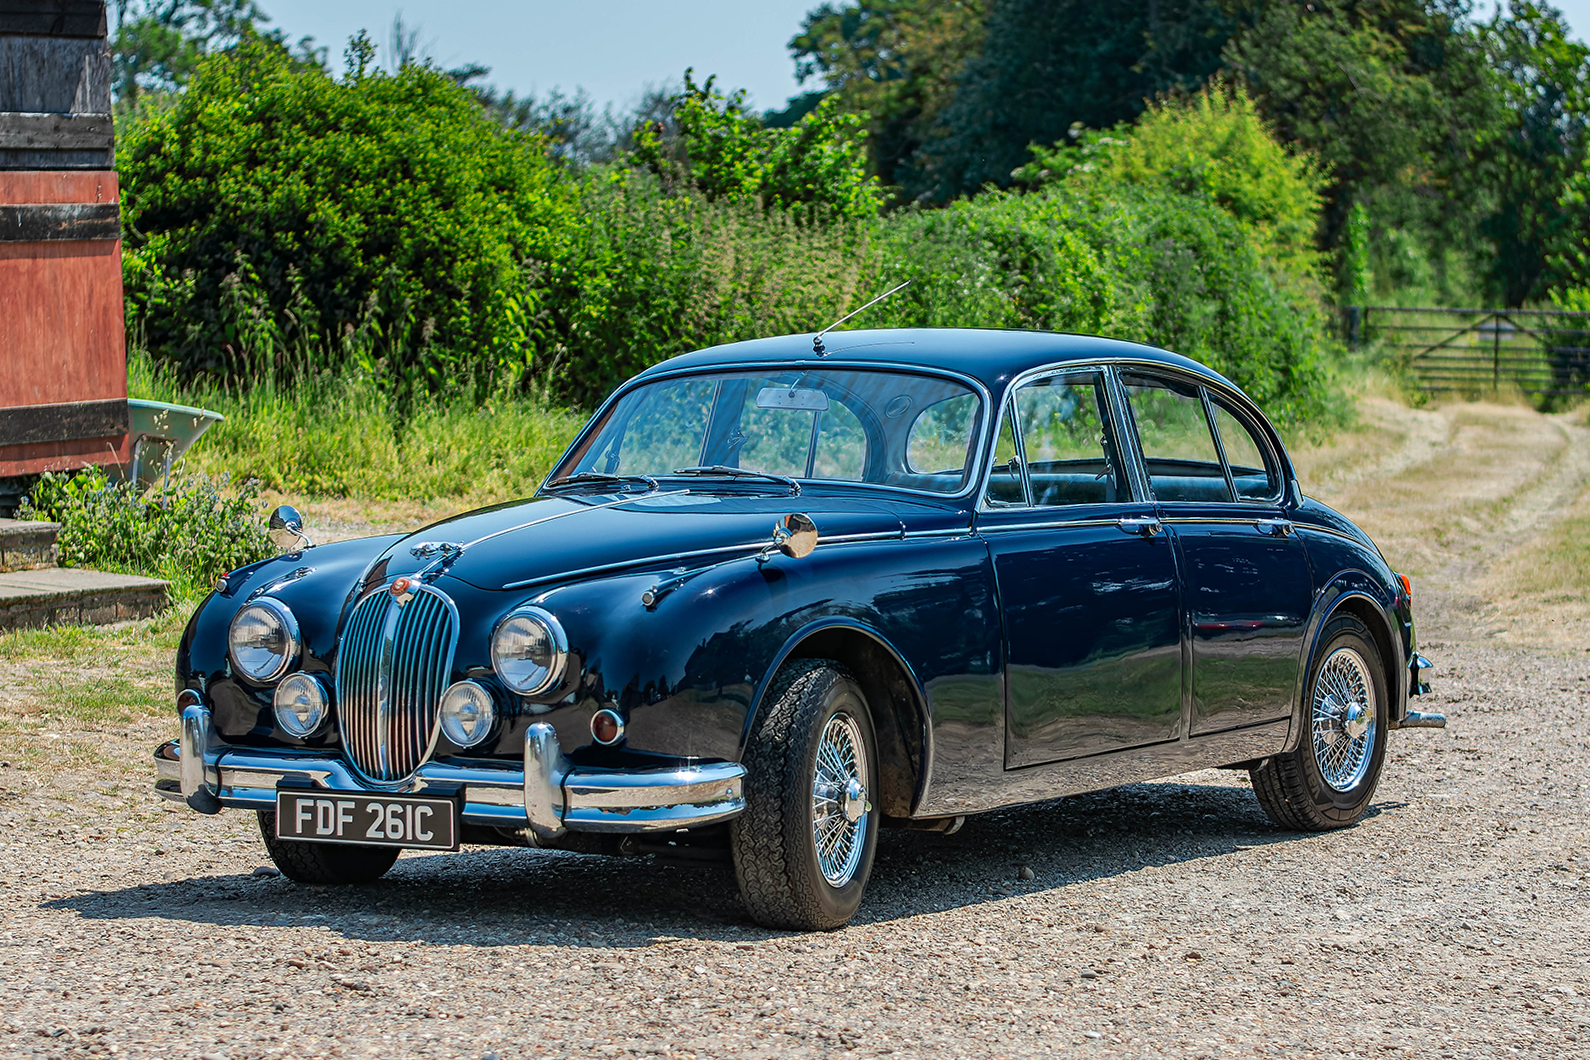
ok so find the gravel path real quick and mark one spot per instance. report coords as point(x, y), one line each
point(1161, 919)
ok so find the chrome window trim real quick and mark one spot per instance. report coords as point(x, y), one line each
point(975, 449)
point(1007, 405)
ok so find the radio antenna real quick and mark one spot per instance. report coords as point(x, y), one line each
point(817, 339)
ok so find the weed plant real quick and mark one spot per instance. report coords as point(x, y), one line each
point(187, 531)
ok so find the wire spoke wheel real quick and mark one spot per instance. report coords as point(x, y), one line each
point(839, 800)
point(1344, 719)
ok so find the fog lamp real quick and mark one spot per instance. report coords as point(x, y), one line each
point(467, 713)
point(301, 704)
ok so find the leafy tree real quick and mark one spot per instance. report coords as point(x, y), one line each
point(1047, 64)
point(895, 61)
point(157, 44)
point(718, 146)
point(1389, 95)
point(1534, 159)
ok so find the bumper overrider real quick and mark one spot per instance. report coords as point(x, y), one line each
point(546, 794)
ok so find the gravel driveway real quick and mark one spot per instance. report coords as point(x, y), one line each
point(1164, 919)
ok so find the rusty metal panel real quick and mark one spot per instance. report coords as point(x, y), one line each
point(61, 325)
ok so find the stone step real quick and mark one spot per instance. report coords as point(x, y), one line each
point(27, 545)
point(66, 596)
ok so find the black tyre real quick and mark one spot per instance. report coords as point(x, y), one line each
point(324, 862)
point(1328, 780)
point(804, 846)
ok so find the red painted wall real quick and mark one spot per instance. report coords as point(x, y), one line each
point(62, 336)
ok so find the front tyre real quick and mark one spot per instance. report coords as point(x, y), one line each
point(1328, 780)
point(804, 846)
point(335, 863)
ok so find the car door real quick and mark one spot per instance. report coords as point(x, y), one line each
point(1086, 580)
point(1247, 585)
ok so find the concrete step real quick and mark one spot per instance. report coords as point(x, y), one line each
point(66, 596)
point(27, 545)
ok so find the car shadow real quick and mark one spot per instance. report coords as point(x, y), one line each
point(509, 896)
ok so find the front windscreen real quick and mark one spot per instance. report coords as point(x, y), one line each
point(879, 427)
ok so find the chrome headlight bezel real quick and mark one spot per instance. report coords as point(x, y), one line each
point(549, 676)
point(287, 718)
point(479, 695)
point(289, 625)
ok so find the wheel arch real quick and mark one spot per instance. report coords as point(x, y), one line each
point(895, 699)
point(1344, 596)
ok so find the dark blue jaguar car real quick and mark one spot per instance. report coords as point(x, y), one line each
point(781, 594)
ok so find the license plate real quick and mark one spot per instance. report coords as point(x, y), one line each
point(370, 820)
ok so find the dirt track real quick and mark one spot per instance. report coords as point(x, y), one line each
point(1166, 918)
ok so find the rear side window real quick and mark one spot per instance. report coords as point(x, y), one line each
point(1178, 450)
point(1252, 472)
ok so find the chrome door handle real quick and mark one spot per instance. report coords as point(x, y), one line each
point(1275, 527)
point(1142, 526)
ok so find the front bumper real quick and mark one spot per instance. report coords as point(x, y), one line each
point(546, 793)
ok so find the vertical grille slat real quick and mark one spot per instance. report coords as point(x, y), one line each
point(420, 656)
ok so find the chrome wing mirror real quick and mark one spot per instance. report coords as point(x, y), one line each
point(287, 530)
point(795, 536)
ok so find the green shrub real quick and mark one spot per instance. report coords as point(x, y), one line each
point(279, 219)
point(188, 531)
point(1212, 145)
point(1116, 259)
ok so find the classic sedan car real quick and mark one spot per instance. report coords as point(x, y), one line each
point(780, 594)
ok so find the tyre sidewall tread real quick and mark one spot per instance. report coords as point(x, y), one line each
point(1290, 786)
point(775, 860)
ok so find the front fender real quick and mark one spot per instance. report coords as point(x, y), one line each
point(315, 584)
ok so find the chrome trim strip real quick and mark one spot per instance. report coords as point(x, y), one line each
point(1332, 531)
point(549, 798)
point(1057, 524)
point(634, 564)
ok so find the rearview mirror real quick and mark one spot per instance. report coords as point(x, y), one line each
point(286, 530)
point(789, 397)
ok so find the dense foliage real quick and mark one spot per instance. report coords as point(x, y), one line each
point(187, 531)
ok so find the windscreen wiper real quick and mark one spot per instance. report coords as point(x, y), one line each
point(602, 476)
point(740, 472)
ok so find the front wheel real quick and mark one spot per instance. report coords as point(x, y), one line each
point(324, 862)
point(1328, 780)
point(804, 846)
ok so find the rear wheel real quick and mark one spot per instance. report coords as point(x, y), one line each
point(804, 846)
point(1328, 780)
point(324, 862)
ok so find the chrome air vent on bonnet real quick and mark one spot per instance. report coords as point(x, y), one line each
point(392, 667)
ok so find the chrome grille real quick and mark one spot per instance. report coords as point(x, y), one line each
point(392, 668)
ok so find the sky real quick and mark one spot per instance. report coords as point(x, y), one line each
point(614, 49)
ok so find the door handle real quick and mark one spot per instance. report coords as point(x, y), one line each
point(1142, 526)
point(1275, 527)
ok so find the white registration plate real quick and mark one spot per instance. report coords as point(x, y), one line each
point(371, 820)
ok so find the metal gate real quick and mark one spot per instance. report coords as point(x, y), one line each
point(1539, 352)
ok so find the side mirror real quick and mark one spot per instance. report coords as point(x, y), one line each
point(287, 530)
point(795, 535)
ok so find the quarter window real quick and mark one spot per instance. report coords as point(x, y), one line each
point(1178, 450)
point(1252, 474)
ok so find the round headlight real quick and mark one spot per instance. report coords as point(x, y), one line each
point(300, 704)
point(528, 651)
point(263, 640)
point(467, 713)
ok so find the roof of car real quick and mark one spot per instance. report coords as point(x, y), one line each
point(991, 356)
